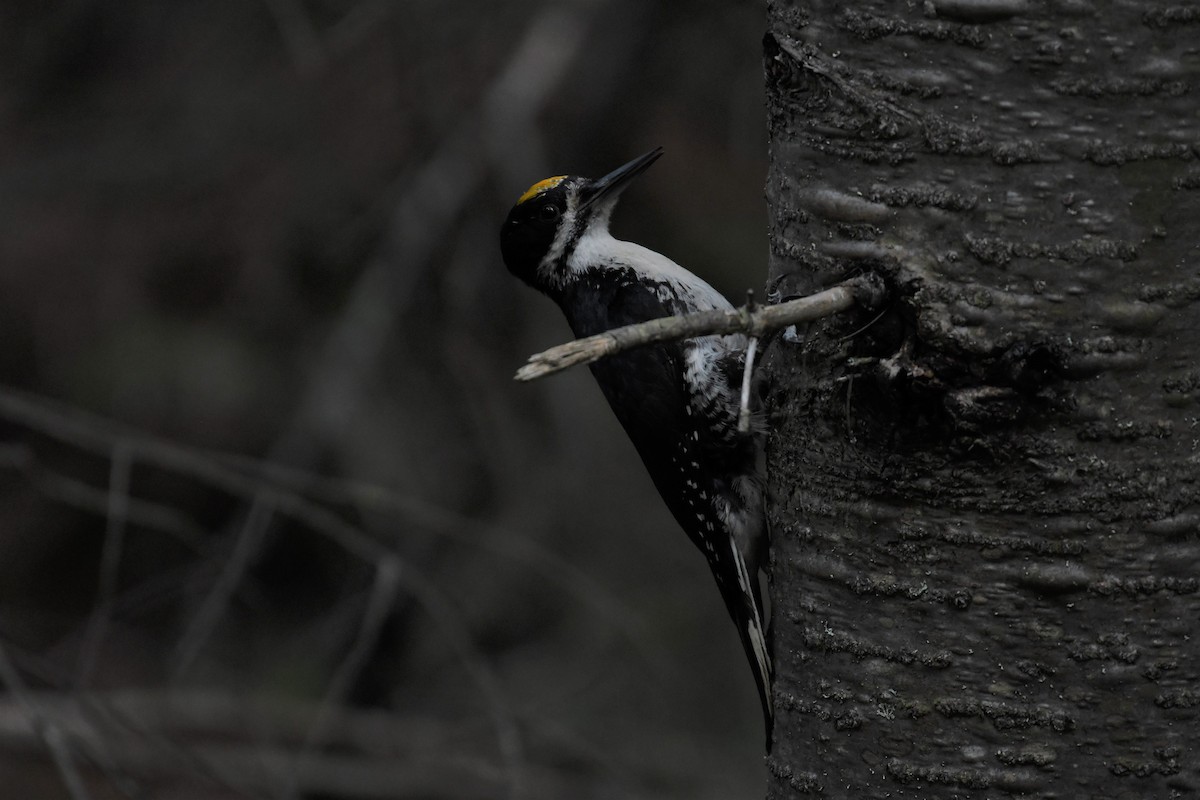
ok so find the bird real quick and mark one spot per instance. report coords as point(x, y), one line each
point(677, 401)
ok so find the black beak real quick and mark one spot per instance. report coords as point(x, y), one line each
point(612, 183)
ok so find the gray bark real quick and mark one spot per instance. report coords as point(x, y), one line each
point(985, 496)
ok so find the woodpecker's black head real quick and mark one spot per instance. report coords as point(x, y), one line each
point(542, 229)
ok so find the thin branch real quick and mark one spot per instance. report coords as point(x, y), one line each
point(82, 496)
point(753, 322)
point(747, 373)
point(234, 568)
point(379, 606)
point(508, 735)
point(110, 559)
point(380, 601)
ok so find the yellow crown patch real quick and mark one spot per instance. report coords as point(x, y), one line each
point(541, 186)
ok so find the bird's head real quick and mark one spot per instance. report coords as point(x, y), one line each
point(554, 214)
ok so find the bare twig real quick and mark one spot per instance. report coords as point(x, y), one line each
point(747, 373)
point(379, 606)
point(755, 322)
point(110, 559)
point(85, 497)
point(232, 570)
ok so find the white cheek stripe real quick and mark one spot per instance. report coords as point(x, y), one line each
point(546, 268)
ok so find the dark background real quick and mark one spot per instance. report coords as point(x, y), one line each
point(269, 229)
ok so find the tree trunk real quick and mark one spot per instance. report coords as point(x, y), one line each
point(985, 495)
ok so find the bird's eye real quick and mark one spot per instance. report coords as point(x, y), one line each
point(548, 212)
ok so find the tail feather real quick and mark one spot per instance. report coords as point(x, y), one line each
point(745, 606)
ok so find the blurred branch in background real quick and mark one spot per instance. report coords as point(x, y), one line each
point(116, 516)
point(81, 431)
point(430, 201)
point(248, 744)
point(44, 726)
point(280, 489)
